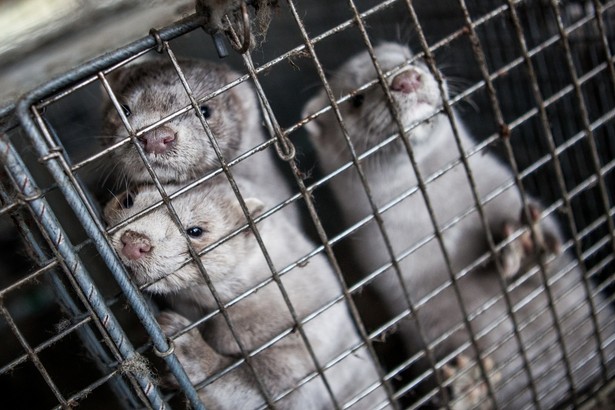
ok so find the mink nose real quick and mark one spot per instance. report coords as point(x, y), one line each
point(158, 141)
point(407, 81)
point(135, 245)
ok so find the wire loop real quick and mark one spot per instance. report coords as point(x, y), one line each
point(240, 44)
point(159, 43)
point(168, 352)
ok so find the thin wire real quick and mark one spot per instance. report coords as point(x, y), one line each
point(561, 183)
point(77, 274)
point(195, 104)
point(365, 184)
point(32, 355)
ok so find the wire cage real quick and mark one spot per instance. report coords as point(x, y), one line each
point(534, 83)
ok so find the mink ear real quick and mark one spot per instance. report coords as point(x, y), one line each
point(255, 207)
point(508, 228)
point(116, 80)
point(121, 201)
point(316, 103)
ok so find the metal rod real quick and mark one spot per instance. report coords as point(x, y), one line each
point(64, 251)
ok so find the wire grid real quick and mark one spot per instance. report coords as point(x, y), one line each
point(592, 231)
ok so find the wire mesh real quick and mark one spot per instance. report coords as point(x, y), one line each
point(537, 91)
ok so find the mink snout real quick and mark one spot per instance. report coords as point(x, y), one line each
point(135, 245)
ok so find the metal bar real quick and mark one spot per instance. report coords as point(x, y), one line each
point(32, 355)
point(164, 46)
point(365, 184)
point(286, 151)
point(47, 343)
point(90, 388)
point(88, 70)
point(471, 90)
point(61, 246)
point(71, 190)
point(167, 201)
point(89, 339)
point(597, 179)
point(431, 65)
point(608, 56)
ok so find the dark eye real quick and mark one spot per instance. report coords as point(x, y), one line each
point(206, 110)
point(195, 231)
point(126, 110)
point(357, 100)
point(128, 200)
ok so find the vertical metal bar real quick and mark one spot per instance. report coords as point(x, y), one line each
point(273, 270)
point(420, 180)
point(286, 151)
point(275, 274)
point(504, 132)
point(585, 116)
point(477, 49)
point(61, 246)
point(70, 188)
point(90, 341)
point(167, 201)
point(376, 213)
point(599, 12)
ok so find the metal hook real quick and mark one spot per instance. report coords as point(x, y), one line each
point(245, 45)
point(285, 148)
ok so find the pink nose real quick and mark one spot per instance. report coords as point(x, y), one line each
point(158, 141)
point(407, 81)
point(135, 245)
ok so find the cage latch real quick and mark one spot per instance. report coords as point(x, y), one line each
point(219, 18)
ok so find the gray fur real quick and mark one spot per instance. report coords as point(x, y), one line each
point(390, 174)
point(235, 267)
point(153, 90)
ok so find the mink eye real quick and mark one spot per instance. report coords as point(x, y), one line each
point(128, 200)
point(195, 231)
point(126, 109)
point(206, 110)
point(357, 100)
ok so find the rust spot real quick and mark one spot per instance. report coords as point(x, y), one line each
point(504, 131)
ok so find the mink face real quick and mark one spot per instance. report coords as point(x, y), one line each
point(367, 114)
point(156, 250)
point(179, 149)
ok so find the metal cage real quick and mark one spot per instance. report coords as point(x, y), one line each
point(537, 88)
